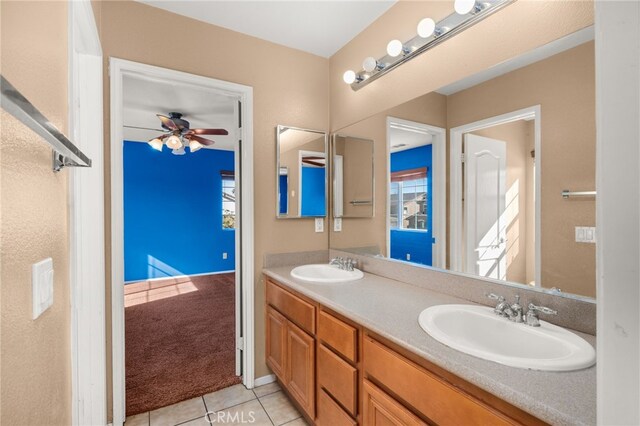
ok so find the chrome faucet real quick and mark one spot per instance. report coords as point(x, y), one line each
point(351, 264)
point(347, 264)
point(338, 261)
point(515, 312)
point(501, 306)
point(532, 314)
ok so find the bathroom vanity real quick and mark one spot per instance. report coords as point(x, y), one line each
point(353, 353)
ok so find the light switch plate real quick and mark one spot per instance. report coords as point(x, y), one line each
point(337, 224)
point(319, 224)
point(42, 286)
point(585, 234)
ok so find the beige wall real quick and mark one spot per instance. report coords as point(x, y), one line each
point(519, 140)
point(564, 86)
point(35, 355)
point(290, 87)
point(518, 28)
point(364, 232)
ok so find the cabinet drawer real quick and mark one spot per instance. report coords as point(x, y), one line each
point(427, 393)
point(380, 409)
point(339, 335)
point(338, 378)
point(330, 413)
point(291, 306)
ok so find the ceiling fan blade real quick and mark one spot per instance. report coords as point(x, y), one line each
point(142, 128)
point(203, 141)
point(168, 123)
point(209, 131)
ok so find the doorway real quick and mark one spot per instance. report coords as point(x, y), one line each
point(180, 274)
point(495, 197)
point(416, 185)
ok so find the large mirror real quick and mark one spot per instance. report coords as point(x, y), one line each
point(492, 176)
point(352, 166)
point(301, 173)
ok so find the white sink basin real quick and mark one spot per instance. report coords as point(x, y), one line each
point(325, 273)
point(477, 331)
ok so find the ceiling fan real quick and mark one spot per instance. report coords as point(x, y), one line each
point(179, 135)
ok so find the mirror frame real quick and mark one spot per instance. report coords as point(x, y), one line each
point(279, 129)
point(333, 177)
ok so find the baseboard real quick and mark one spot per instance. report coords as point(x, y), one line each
point(181, 276)
point(264, 380)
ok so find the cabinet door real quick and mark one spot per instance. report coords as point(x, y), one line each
point(276, 342)
point(300, 361)
point(382, 410)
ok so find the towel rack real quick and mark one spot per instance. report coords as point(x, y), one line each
point(361, 202)
point(568, 194)
point(65, 153)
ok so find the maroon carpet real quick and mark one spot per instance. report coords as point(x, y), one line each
point(179, 337)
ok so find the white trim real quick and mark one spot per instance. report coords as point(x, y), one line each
point(264, 380)
point(455, 183)
point(617, 211)
point(118, 68)
point(180, 276)
point(86, 206)
point(438, 188)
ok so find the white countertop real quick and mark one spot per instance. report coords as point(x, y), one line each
point(391, 308)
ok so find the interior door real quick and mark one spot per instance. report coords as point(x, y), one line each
point(484, 205)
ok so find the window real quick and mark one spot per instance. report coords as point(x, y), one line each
point(228, 200)
point(408, 199)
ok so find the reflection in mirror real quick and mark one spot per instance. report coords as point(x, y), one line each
point(352, 177)
point(302, 174)
point(518, 136)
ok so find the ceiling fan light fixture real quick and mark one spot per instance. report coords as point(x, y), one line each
point(179, 151)
point(174, 142)
point(194, 146)
point(156, 144)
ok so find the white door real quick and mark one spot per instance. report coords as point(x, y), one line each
point(484, 205)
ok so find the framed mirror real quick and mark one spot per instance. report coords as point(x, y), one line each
point(301, 178)
point(492, 176)
point(353, 176)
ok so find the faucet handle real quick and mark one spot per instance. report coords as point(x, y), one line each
point(542, 309)
point(494, 297)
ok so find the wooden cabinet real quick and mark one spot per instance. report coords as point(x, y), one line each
point(300, 366)
point(290, 350)
point(379, 409)
point(340, 373)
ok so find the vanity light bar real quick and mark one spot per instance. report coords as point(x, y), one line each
point(444, 29)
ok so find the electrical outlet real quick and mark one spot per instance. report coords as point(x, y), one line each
point(319, 224)
point(337, 224)
point(224, 256)
point(408, 256)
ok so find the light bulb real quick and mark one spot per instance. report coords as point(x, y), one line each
point(194, 146)
point(174, 142)
point(156, 144)
point(179, 151)
point(394, 48)
point(462, 7)
point(426, 27)
point(369, 64)
point(349, 77)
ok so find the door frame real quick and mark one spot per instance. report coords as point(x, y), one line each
point(118, 68)
point(438, 188)
point(86, 220)
point(456, 185)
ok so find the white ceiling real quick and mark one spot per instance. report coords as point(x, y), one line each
point(144, 98)
point(401, 139)
point(318, 27)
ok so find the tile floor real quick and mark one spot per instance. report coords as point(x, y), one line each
point(266, 405)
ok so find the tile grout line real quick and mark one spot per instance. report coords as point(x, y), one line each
point(291, 421)
point(265, 411)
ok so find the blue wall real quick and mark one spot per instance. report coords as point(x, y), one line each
point(313, 191)
point(418, 244)
point(173, 213)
